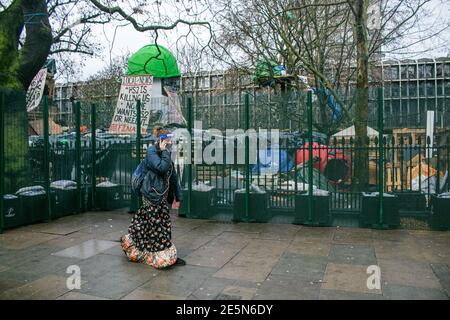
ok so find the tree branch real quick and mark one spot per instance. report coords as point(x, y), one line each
point(137, 26)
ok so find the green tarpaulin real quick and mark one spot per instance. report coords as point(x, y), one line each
point(319, 180)
point(153, 59)
point(264, 69)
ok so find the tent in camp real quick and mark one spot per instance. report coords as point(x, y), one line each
point(350, 132)
point(269, 73)
point(153, 59)
point(36, 127)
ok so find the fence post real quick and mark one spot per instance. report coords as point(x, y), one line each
point(78, 152)
point(2, 161)
point(437, 186)
point(189, 164)
point(46, 160)
point(310, 160)
point(381, 153)
point(247, 156)
point(428, 152)
point(94, 152)
point(138, 142)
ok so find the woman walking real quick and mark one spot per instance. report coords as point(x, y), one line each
point(149, 238)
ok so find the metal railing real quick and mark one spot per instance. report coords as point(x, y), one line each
point(395, 164)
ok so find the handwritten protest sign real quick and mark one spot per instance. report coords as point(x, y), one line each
point(133, 88)
point(36, 90)
point(174, 114)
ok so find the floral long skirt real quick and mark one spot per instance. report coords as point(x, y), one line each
point(149, 236)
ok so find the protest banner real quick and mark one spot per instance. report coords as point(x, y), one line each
point(133, 88)
point(36, 90)
point(174, 114)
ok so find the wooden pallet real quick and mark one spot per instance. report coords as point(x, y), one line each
point(396, 182)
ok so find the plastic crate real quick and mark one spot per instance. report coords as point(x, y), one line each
point(321, 215)
point(440, 213)
point(370, 211)
point(13, 213)
point(258, 210)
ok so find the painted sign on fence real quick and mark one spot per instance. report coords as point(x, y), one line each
point(36, 90)
point(133, 88)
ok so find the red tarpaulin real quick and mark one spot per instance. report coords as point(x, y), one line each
point(331, 162)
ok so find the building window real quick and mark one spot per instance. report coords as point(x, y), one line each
point(447, 87)
point(440, 104)
point(404, 72)
point(395, 89)
point(387, 90)
point(413, 106)
point(440, 88)
point(412, 89)
point(430, 88)
point(421, 71)
point(217, 82)
point(422, 89)
point(431, 104)
point(447, 70)
point(439, 72)
point(204, 83)
point(404, 90)
point(393, 73)
point(412, 72)
point(429, 71)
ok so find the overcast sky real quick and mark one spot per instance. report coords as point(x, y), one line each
point(128, 40)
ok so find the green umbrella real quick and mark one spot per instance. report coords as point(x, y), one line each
point(153, 59)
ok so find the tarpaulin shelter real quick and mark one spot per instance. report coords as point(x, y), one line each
point(269, 163)
point(319, 180)
point(268, 71)
point(36, 127)
point(350, 132)
point(155, 60)
point(332, 162)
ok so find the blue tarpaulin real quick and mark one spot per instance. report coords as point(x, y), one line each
point(268, 163)
point(335, 107)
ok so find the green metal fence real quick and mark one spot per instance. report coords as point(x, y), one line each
point(313, 182)
point(403, 183)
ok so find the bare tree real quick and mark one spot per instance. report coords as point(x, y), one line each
point(331, 41)
point(309, 38)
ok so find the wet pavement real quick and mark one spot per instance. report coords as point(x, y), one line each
point(224, 261)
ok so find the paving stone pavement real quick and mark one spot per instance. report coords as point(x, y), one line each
point(225, 261)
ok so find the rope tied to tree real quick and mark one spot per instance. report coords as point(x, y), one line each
point(30, 16)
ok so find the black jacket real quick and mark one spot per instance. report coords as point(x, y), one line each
point(159, 163)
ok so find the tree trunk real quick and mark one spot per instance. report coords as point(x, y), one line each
point(11, 25)
point(38, 41)
point(17, 70)
point(361, 172)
